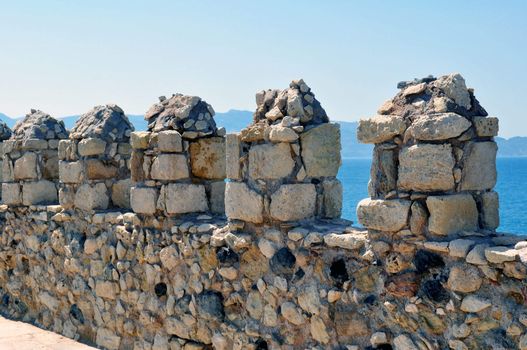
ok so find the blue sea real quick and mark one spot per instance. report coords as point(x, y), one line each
point(512, 181)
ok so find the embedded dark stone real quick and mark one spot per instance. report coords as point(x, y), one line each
point(425, 260)
point(210, 305)
point(160, 289)
point(5, 299)
point(338, 272)
point(384, 347)
point(261, 344)
point(5, 132)
point(435, 291)
point(299, 274)
point(183, 305)
point(227, 256)
point(283, 262)
point(39, 125)
point(76, 313)
point(370, 299)
point(108, 123)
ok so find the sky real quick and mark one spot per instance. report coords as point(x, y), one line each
point(64, 57)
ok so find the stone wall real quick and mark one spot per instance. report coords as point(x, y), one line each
point(162, 279)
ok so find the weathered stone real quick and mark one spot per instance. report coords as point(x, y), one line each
point(351, 241)
point(270, 161)
point(143, 200)
point(108, 123)
point(293, 202)
point(207, 158)
point(479, 166)
point(11, 193)
point(140, 139)
point(210, 305)
point(350, 325)
point(418, 218)
point(169, 141)
point(452, 214)
point(292, 314)
point(232, 156)
point(318, 330)
point(169, 167)
point(486, 126)
point(321, 150)
point(217, 197)
point(185, 198)
point(477, 255)
point(121, 193)
point(465, 279)
point(91, 147)
point(332, 198)
point(500, 254)
point(242, 203)
point(106, 289)
point(404, 342)
point(383, 215)
point(454, 87)
point(282, 134)
point(489, 212)
point(26, 167)
point(426, 167)
point(442, 126)
point(98, 170)
point(92, 197)
point(107, 339)
point(383, 173)
point(473, 303)
point(70, 172)
point(380, 128)
point(39, 192)
point(460, 247)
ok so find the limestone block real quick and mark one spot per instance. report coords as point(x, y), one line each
point(207, 158)
point(51, 166)
point(441, 126)
point(169, 141)
point(121, 193)
point(39, 192)
point(169, 166)
point(332, 198)
point(143, 200)
point(383, 173)
point(185, 198)
point(232, 156)
point(217, 197)
point(453, 85)
point(380, 128)
point(96, 169)
point(34, 144)
point(107, 339)
point(11, 193)
point(124, 149)
point(383, 215)
point(136, 166)
point(67, 196)
point(486, 126)
point(70, 172)
point(490, 215)
point(293, 202)
point(26, 167)
point(242, 203)
point(90, 197)
point(8, 173)
point(479, 166)
point(321, 150)
point(270, 161)
point(282, 134)
point(67, 150)
point(91, 147)
point(426, 167)
point(452, 214)
point(140, 139)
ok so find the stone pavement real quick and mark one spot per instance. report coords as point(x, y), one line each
point(22, 336)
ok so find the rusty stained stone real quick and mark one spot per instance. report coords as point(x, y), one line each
point(404, 285)
point(253, 264)
point(97, 169)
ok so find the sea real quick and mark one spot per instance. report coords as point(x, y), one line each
point(512, 182)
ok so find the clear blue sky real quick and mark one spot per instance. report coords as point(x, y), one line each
point(66, 56)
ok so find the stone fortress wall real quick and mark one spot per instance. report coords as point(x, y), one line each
point(124, 244)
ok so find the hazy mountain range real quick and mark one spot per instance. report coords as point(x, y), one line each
point(235, 120)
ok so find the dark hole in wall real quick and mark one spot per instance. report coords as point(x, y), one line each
point(160, 289)
point(339, 272)
point(435, 291)
point(424, 261)
point(283, 262)
point(5, 300)
point(261, 344)
point(226, 255)
point(76, 313)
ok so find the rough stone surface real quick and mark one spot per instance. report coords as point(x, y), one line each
point(442, 126)
point(169, 141)
point(490, 216)
point(39, 192)
point(143, 200)
point(167, 166)
point(108, 123)
point(486, 126)
point(380, 128)
point(242, 203)
point(39, 125)
point(207, 158)
point(185, 198)
point(332, 198)
point(426, 167)
point(465, 279)
point(321, 150)
point(91, 147)
point(452, 214)
point(270, 161)
point(479, 169)
point(92, 197)
point(383, 215)
point(232, 156)
point(293, 202)
point(121, 193)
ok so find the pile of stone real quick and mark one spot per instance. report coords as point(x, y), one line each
point(283, 166)
point(178, 165)
point(30, 163)
point(434, 162)
point(95, 161)
point(5, 134)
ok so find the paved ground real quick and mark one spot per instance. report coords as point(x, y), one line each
point(22, 336)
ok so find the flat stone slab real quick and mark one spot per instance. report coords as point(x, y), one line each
point(16, 335)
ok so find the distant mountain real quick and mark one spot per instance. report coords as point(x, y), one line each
point(235, 120)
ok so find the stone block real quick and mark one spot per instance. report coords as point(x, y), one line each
point(169, 166)
point(97, 169)
point(321, 150)
point(70, 172)
point(136, 166)
point(383, 173)
point(332, 198)
point(452, 214)
point(8, 173)
point(217, 197)
point(380, 128)
point(34, 144)
point(207, 158)
point(121, 193)
point(293, 202)
point(92, 197)
point(241, 203)
point(479, 166)
point(185, 198)
point(232, 156)
point(489, 206)
point(50, 170)
point(169, 141)
point(282, 134)
point(67, 150)
point(11, 193)
point(26, 167)
point(67, 196)
point(486, 126)
point(124, 149)
point(383, 215)
point(91, 147)
point(440, 126)
point(270, 161)
point(426, 167)
point(140, 139)
point(143, 200)
point(39, 192)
